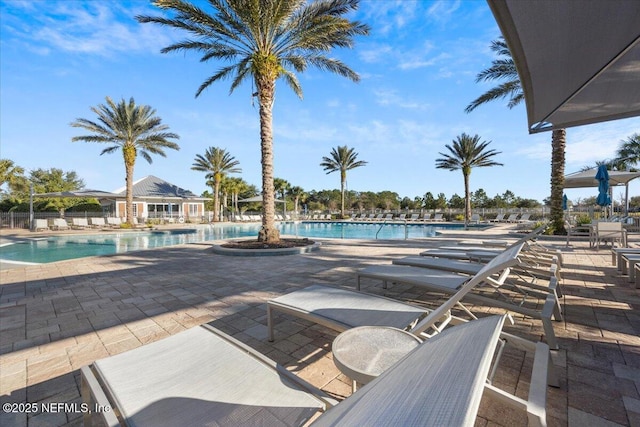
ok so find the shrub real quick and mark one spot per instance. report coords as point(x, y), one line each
point(583, 219)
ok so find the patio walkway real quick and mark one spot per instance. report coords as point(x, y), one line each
point(58, 317)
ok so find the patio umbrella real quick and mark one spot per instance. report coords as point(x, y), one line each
point(564, 202)
point(603, 186)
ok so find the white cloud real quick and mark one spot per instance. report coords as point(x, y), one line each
point(375, 53)
point(95, 28)
point(389, 97)
point(442, 10)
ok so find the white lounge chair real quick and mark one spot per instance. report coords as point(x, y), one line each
point(437, 218)
point(450, 283)
point(97, 222)
point(525, 217)
point(138, 224)
point(341, 309)
point(475, 218)
point(204, 377)
point(388, 217)
point(414, 217)
point(498, 218)
point(60, 224)
point(80, 223)
point(512, 218)
point(114, 222)
point(40, 224)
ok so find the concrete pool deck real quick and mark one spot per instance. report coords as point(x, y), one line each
point(55, 318)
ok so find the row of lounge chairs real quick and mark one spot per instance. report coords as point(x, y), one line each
point(258, 218)
point(77, 223)
point(401, 217)
point(203, 376)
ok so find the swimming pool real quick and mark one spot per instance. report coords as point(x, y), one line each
point(50, 249)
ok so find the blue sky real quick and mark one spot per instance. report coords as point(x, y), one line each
point(417, 68)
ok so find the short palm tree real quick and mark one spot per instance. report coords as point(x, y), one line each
point(465, 153)
point(504, 69)
point(12, 175)
point(342, 159)
point(264, 41)
point(134, 129)
point(298, 194)
point(216, 162)
point(234, 186)
point(628, 154)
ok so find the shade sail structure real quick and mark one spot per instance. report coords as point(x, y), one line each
point(256, 199)
point(85, 194)
point(578, 61)
point(588, 178)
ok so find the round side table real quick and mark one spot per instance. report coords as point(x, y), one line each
point(365, 352)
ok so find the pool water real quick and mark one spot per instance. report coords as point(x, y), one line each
point(58, 248)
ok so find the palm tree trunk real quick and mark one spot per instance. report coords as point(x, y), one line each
point(467, 199)
point(129, 154)
point(266, 91)
point(342, 182)
point(216, 200)
point(558, 144)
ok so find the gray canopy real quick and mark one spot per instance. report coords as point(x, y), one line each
point(578, 61)
point(588, 178)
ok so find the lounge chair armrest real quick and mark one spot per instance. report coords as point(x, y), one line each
point(94, 396)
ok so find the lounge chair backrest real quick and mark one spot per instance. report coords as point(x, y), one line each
point(40, 224)
point(609, 226)
point(530, 236)
point(440, 383)
point(97, 221)
point(60, 223)
point(80, 222)
point(501, 263)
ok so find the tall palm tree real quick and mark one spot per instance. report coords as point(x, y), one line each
point(503, 68)
point(263, 41)
point(628, 154)
point(342, 159)
point(216, 162)
point(134, 129)
point(465, 153)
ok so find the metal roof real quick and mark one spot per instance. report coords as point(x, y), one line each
point(154, 187)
